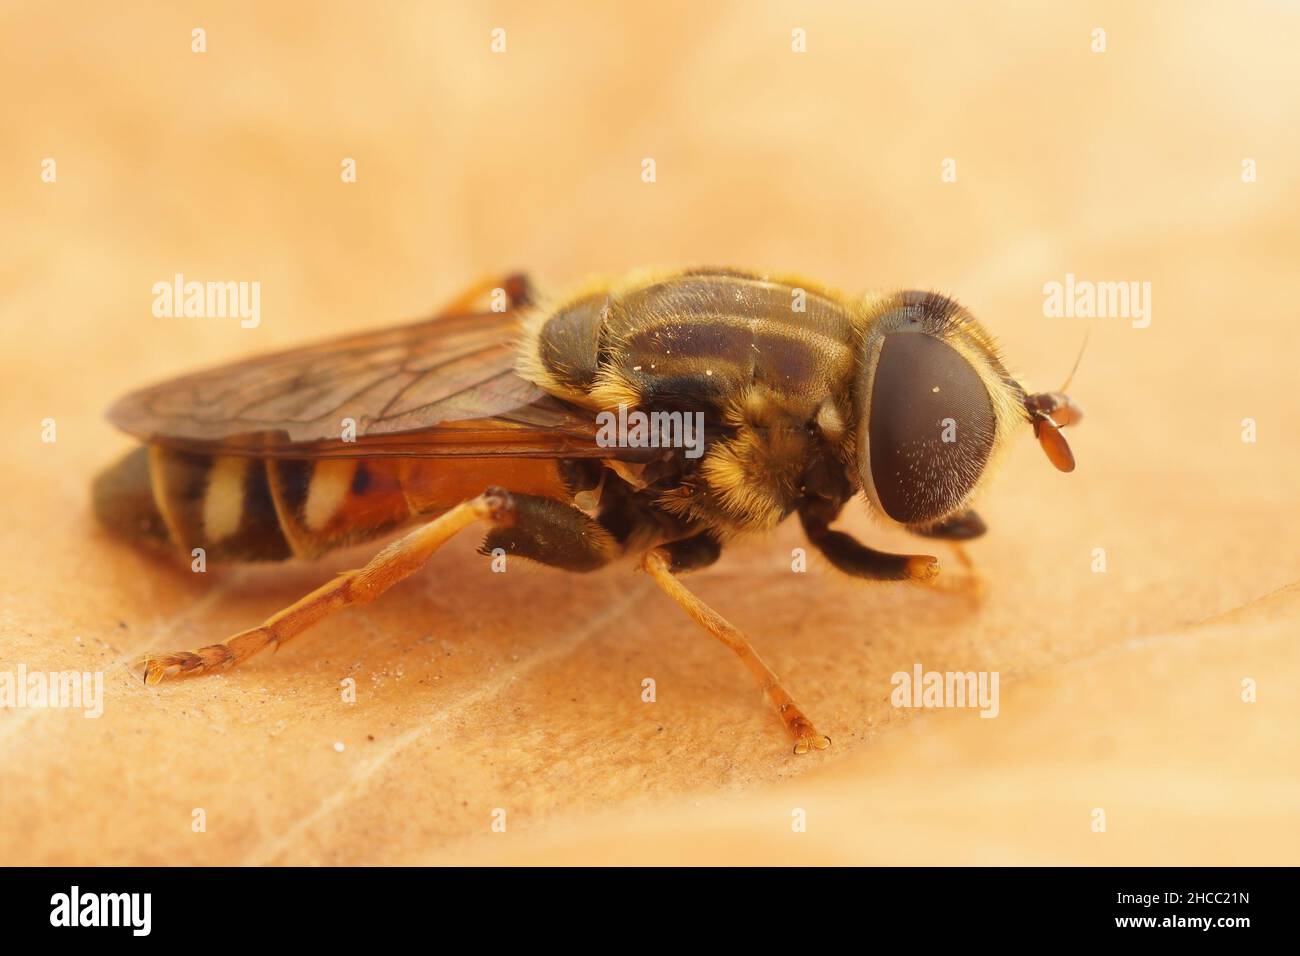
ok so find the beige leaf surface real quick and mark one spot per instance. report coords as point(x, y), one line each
point(1121, 691)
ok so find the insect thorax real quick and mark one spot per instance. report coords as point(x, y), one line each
point(767, 362)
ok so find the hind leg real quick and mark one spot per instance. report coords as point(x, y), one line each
point(399, 560)
point(553, 533)
point(538, 528)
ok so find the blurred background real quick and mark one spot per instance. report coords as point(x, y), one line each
point(1115, 142)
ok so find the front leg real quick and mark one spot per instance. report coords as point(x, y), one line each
point(853, 557)
point(956, 529)
point(962, 526)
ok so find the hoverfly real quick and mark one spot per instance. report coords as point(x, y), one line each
point(808, 397)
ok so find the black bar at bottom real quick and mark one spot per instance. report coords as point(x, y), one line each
point(333, 906)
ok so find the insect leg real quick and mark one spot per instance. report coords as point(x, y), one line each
point(553, 533)
point(853, 557)
point(399, 560)
point(960, 527)
point(517, 286)
point(663, 564)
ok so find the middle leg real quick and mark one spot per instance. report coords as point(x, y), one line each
point(663, 564)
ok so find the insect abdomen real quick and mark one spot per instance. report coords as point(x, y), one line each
point(222, 504)
point(241, 508)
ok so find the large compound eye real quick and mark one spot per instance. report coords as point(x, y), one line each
point(930, 430)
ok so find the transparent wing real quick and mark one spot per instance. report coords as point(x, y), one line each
point(439, 387)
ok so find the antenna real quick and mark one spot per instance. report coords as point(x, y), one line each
point(1079, 358)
